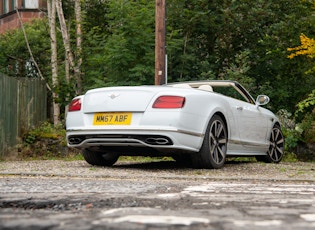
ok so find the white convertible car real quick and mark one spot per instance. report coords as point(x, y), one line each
point(198, 123)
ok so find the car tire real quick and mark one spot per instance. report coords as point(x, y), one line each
point(276, 147)
point(212, 153)
point(99, 159)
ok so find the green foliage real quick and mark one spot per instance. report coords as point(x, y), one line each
point(45, 130)
point(295, 133)
point(238, 70)
point(305, 116)
point(292, 138)
point(308, 127)
point(290, 157)
point(46, 142)
point(241, 40)
point(192, 27)
point(286, 78)
point(206, 40)
point(15, 59)
point(291, 132)
point(122, 52)
point(306, 105)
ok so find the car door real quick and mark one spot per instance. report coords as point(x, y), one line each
point(252, 124)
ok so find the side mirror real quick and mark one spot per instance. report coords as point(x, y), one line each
point(262, 100)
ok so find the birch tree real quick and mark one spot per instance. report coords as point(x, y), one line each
point(51, 8)
point(74, 61)
point(78, 20)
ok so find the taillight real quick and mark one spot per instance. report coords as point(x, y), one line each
point(75, 105)
point(169, 102)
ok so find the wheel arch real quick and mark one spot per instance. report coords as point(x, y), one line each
point(212, 153)
point(277, 123)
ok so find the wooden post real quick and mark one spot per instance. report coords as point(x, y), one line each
point(160, 43)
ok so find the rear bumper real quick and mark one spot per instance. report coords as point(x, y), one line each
point(163, 140)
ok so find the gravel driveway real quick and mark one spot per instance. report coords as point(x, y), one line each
point(57, 194)
point(162, 169)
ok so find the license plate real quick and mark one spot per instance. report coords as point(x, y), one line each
point(112, 119)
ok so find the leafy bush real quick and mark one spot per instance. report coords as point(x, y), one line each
point(291, 131)
point(299, 130)
point(45, 130)
point(305, 114)
point(45, 142)
point(306, 107)
point(290, 157)
point(307, 125)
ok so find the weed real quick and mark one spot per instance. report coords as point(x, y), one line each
point(290, 157)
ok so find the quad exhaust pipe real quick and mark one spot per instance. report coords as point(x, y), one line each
point(158, 141)
point(75, 140)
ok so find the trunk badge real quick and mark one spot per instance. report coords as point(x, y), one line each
point(113, 95)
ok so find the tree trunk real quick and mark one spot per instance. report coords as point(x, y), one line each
point(51, 8)
point(66, 42)
point(77, 72)
point(64, 32)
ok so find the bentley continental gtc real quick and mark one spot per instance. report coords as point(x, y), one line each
point(198, 123)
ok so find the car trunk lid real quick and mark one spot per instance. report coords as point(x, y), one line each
point(118, 99)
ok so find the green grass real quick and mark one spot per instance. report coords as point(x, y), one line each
point(143, 159)
point(289, 157)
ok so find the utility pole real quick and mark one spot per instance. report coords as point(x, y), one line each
point(160, 43)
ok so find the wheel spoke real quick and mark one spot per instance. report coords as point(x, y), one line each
point(275, 155)
point(215, 155)
point(279, 150)
point(211, 143)
point(222, 141)
point(276, 134)
point(272, 137)
point(212, 137)
point(221, 152)
point(218, 140)
point(214, 129)
point(280, 141)
point(272, 153)
point(219, 130)
point(212, 149)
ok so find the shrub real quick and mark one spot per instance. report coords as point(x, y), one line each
point(45, 142)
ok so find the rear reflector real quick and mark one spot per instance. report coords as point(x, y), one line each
point(75, 105)
point(169, 102)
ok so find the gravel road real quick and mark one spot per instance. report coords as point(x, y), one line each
point(56, 194)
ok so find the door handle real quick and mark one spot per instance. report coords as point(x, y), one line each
point(239, 108)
